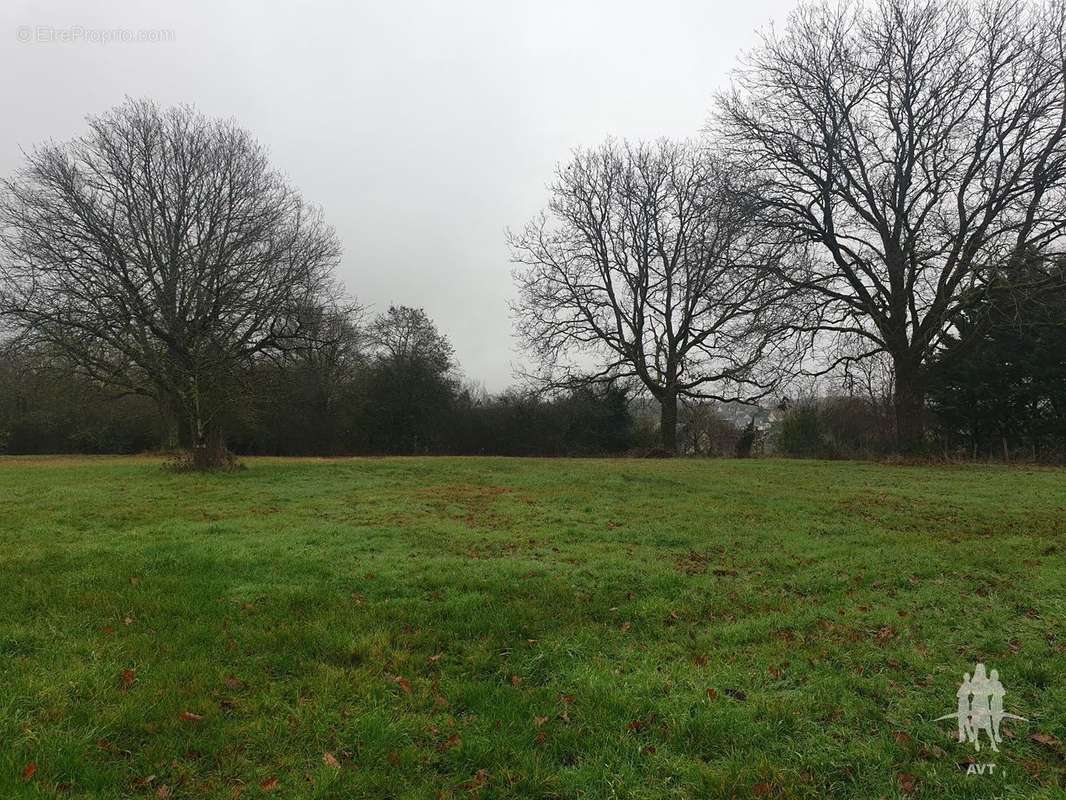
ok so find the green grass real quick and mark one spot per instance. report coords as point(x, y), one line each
point(501, 628)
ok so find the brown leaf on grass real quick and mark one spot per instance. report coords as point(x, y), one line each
point(29, 772)
point(701, 661)
point(236, 684)
point(907, 783)
point(775, 673)
point(886, 633)
point(541, 737)
point(164, 793)
point(636, 725)
point(648, 750)
point(931, 752)
point(107, 630)
point(128, 619)
point(129, 677)
point(901, 738)
point(763, 789)
point(436, 658)
point(1045, 739)
point(189, 716)
point(269, 785)
point(450, 743)
point(479, 781)
point(393, 758)
point(626, 627)
point(516, 680)
point(712, 693)
point(403, 683)
point(330, 760)
point(567, 698)
point(540, 722)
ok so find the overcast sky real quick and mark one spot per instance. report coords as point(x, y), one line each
point(424, 129)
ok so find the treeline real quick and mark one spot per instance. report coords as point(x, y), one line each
point(387, 388)
point(391, 386)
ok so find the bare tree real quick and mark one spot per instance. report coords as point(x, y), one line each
point(646, 266)
point(160, 253)
point(909, 146)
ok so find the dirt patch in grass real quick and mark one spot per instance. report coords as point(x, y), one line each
point(693, 563)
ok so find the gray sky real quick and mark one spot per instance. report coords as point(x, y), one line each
point(423, 129)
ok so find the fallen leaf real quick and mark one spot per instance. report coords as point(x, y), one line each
point(129, 676)
point(436, 658)
point(480, 779)
point(235, 683)
point(931, 752)
point(330, 760)
point(394, 758)
point(540, 721)
point(164, 793)
point(886, 633)
point(188, 716)
point(450, 743)
point(763, 789)
point(701, 661)
point(626, 626)
point(129, 620)
point(907, 783)
point(269, 785)
point(712, 693)
point(635, 725)
point(30, 771)
point(1045, 739)
point(403, 683)
point(516, 681)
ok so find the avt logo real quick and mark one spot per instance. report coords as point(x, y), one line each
point(980, 710)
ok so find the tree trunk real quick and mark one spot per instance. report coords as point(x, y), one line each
point(170, 427)
point(909, 403)
point(208, 447)
point(209, 450)
point(668, 422)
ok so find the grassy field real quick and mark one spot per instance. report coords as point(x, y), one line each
point(500, 628)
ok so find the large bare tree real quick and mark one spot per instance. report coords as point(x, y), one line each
point(647, 266)
point(910, 147)
point(160, 253)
